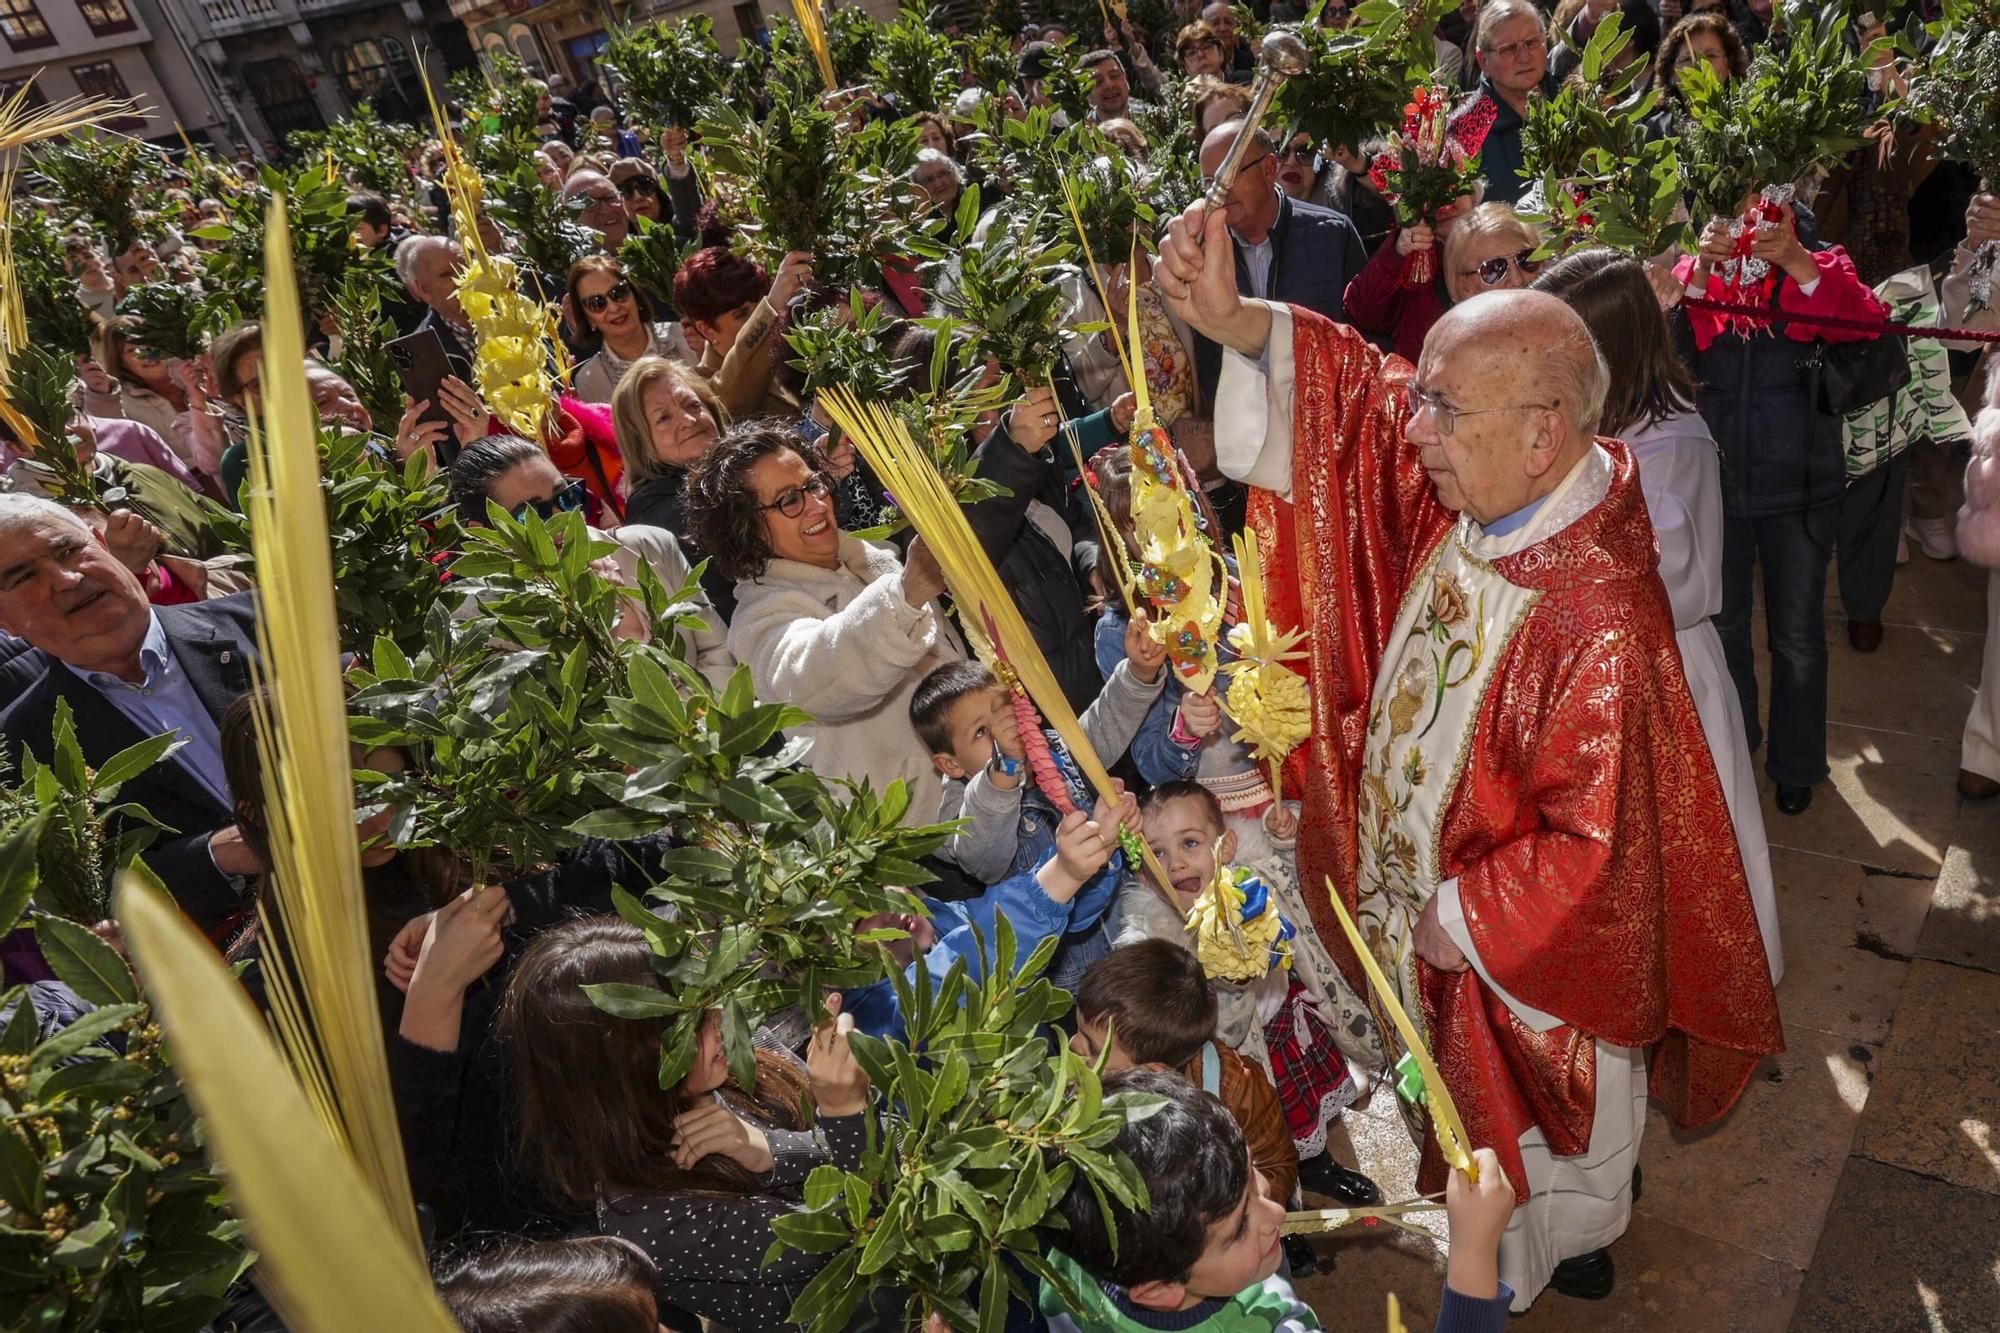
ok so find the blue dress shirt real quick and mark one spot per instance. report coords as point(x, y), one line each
point(165, 700)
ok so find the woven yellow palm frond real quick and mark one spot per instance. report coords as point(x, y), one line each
point(1451, 1136)
point(330, 1255)
point(1181, 574)
point(511, 331)
point(1237, 940)
point(318, 961)
point(812, 23)
point(1396, 1324)
point(1268, 700)
point(986, 609)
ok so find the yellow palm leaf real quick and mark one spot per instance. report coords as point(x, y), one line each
point(813, 24)
point(318, 959)
point(988, 611)
point(330, 1256)
point(1451, 1136)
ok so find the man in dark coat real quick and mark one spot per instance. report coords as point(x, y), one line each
point(1286, 250)
point(128, 671)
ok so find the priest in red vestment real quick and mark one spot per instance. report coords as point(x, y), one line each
point(1506, 780)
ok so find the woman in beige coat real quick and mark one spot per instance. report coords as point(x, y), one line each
point(835, 625)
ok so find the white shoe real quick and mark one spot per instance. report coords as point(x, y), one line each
point(1936, 537)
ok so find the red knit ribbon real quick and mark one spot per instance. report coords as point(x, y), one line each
point(1767, 315)
point(1041, 760)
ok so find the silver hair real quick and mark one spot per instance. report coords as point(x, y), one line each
point(927, 156)
point(19, 509)
point(410, 252)
point(1574, 368)
point(1497, 13)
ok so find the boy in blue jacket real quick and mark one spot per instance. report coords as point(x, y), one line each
point(1085, 867)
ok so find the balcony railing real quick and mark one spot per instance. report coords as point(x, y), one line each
point(227, 16)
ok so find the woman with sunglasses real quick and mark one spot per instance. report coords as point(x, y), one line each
point(838, 626)
point(1650, 405)
point(614, 318)
point(1490, 249)
point(516, 475)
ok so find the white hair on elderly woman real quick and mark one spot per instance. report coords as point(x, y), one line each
point(931, 158)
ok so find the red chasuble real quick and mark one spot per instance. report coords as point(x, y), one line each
point(1597, 865)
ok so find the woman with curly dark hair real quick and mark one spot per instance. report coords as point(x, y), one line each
point(731, 308)
point(824, 620)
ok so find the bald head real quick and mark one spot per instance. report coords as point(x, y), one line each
point(1521, 379)
point(1251, 206)
point(1536, 340)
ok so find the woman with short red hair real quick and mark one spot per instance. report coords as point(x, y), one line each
point(730, 309)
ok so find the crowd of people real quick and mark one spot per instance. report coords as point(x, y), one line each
point(1519, 509)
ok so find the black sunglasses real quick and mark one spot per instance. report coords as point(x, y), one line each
point(620, 291)
point(632, 185)
point(568, 500)
point(1492, 270)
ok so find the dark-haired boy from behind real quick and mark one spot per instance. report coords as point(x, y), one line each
point(1203, 1256)
point(1149, 1005)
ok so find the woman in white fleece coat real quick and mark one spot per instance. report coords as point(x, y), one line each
point(825, 621)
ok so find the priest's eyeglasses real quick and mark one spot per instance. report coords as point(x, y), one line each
point(1421, 401)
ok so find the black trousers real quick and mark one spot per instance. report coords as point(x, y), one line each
point(1871, 516)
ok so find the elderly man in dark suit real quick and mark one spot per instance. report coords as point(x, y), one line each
point(1286, 250)
point(129, 670)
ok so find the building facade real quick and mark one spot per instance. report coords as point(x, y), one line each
point(567, 36)
point(301, 64)
point(112, 48)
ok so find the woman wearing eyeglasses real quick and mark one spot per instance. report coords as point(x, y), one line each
point(1198, 50)
point(516, 475)
point(611, 313)
point(824, 620)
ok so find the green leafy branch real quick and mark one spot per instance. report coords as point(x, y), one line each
point(994, 1124)
point(1358, 78)
point(850, 345)
point(1798, 109)
point(671, 69)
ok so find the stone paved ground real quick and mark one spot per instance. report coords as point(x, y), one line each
point(1857, 1185)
